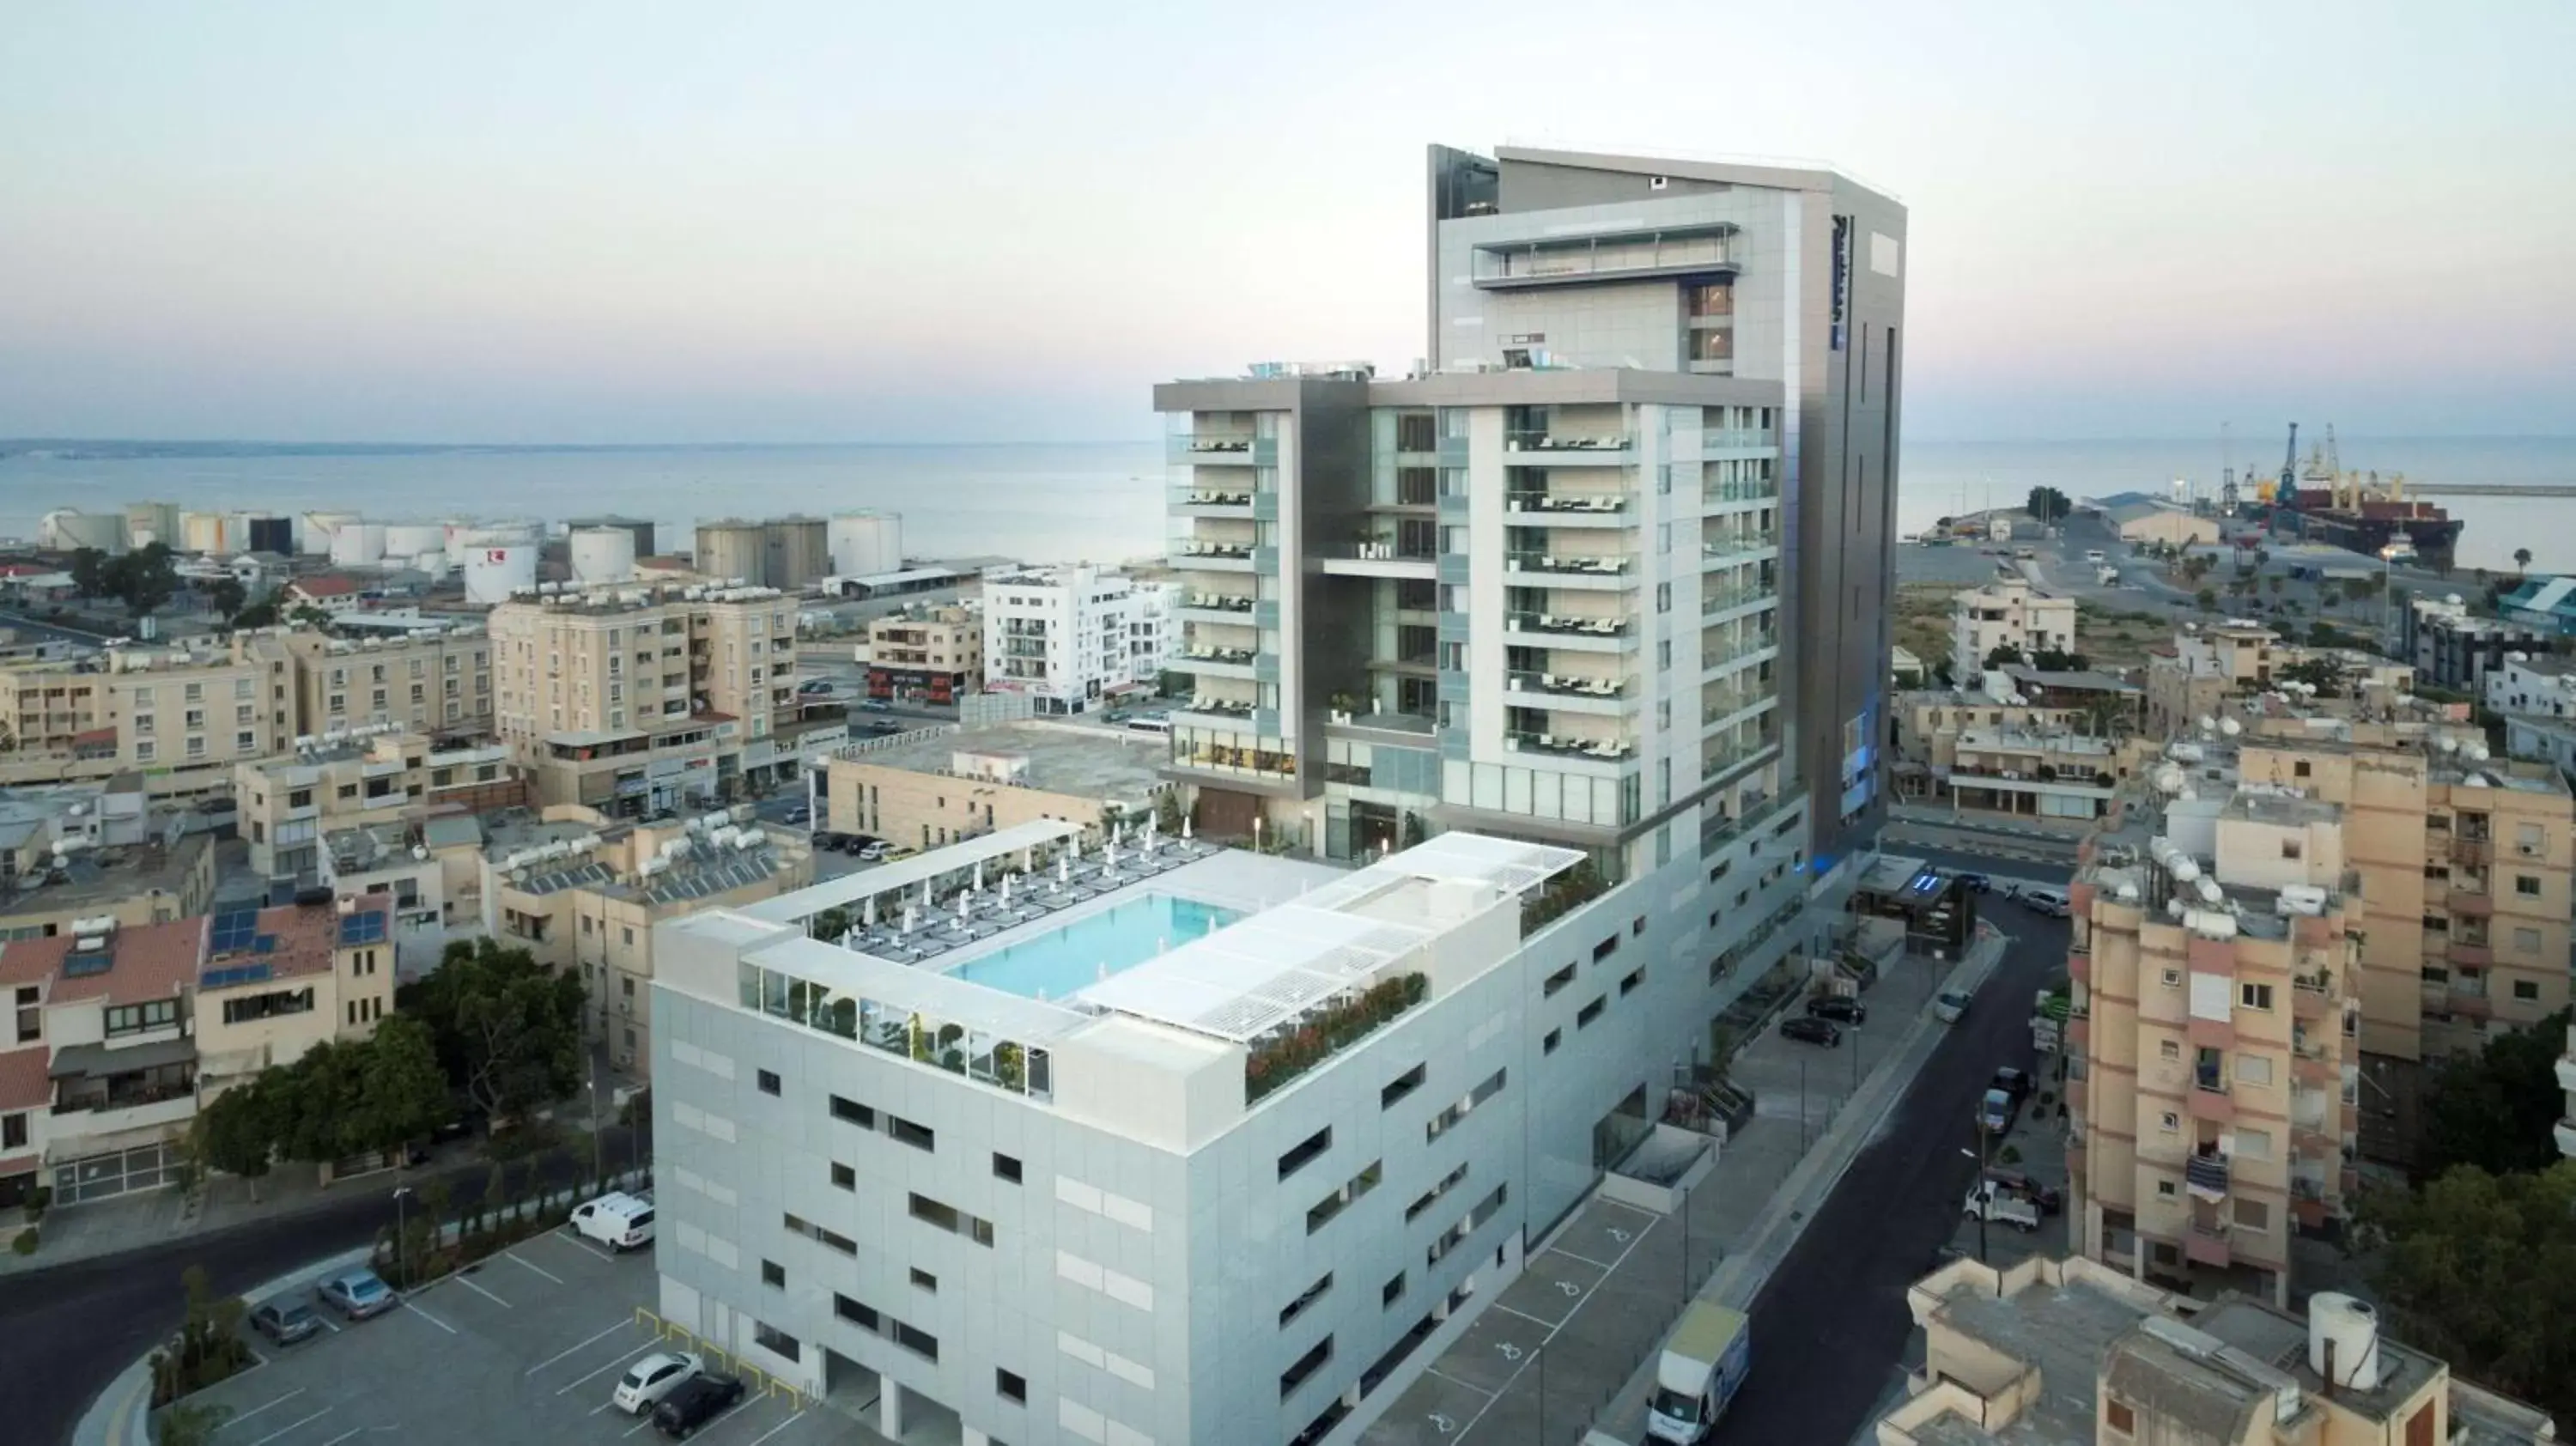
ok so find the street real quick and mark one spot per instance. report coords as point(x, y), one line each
point(1830, 1327)
point(70, 1329)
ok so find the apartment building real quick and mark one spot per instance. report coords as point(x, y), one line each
point(289, 802)
point(123, 1031)
point(2068, 1352)
point(930, 791)
point(435, 681)
point(1201, 1145)
point(2454, 649)
point(2213, 1053)
point(2032, 774)
point(2011, 615)
point(154, 873)
point(934, 657)
point(2532, 686)
point(1072, 638)
point(633, 700)
point(2205, 668)
point(580, 890)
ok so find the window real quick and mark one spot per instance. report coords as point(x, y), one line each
point(773, 1274)
point(2526, 989)
point(152, 1014)
point(1635, 977)
point(2290, 848)
point(2252, 1143)
point(1306, 1365)
point(2252, 1214)
point(952, 1219)
point(1605, 948)
point(1010, 1387)
point(820, 1236)
point(768, 1082)
point(1309, 1296)
point(844, 1177)
point(2526, 885)
point(1402, 1085)
point(2116, 1414)
point(1663, 597)
point(1554, 1038)
point(1304, 1152)
point(2169, 1049)
point(1322, 1211)
point(918, 1136)
point(2254, 1069)
point(775, 1341)
point(1559, 980)
point(1391, 1292)
point(2172, 978)
point(2169, 1122)
point(1006, 1167)
point(2254, 996)
point(2165, 1189)
point(864, 1317)
point(13, 1131)
point(1590, 1012)
point(924, 1280)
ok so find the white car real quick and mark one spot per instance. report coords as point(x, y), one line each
point(652, 1378)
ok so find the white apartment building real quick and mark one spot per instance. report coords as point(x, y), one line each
point(1239, 1189)
point(1072, 637)
point(2006, 615)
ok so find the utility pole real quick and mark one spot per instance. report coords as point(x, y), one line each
point(597, 1167)
point(402, 1235)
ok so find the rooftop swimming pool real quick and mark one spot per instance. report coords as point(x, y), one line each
point(1056, 964)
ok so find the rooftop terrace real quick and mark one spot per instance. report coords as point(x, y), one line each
point(1081, 762)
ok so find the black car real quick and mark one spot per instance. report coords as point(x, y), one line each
point(1976, 883)
point(695, 1402)
point(2012, 1082)
point(1808, 1029)
point(1838, 1007)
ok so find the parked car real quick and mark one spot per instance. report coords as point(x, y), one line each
point(1807, 1029)
point(356, 1294)
point(1840, 1008)
point(285, 1321)
point(2013, 1082)
point(1995, 1112)
point(873, 705)
point(695, 1402)
point(1976, 883)
point(800, 814)
point(2046, 1197)
point(2049, 902)
point(617, 1220)
point(886, 725)
point(1985, 1202)
point(656, 1376)
point(875, 853)
point(815, 685)
point(1950, 1006)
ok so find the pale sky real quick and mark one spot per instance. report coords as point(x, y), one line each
point(849, 220)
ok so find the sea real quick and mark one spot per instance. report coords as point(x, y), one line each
point(1104, 501)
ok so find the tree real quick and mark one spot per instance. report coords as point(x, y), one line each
point(2005, 655)
point(143, 579)
point(2494, 1109)
point(209, 1344)
point(2051, 660)
point(227, 597)
point(190, 1423)
point(2521, 560)
point(237, 1131)
point(402, 1093)
point(89, 572)
point(508, 1032)
point(262, 614)
point(2480, 1270)
point(2048, 505)
point(2274, 584)
point(2206, 600)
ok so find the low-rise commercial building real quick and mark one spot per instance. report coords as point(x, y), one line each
point(577, 889)
point(433, 680)
point(2454, 649)
point(2547, 603)
point(2011, 615)
point(926, 791)
point(2158, 524)
point(935, 657)
point(2067, 1353)
point(2015, 773)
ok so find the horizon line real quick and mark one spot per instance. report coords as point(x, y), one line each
point(20, 444)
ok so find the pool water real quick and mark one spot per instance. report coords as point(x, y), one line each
point(1055, 965)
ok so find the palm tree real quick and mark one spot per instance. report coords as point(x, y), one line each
point(2521, 560)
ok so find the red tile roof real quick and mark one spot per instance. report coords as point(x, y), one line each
point(327, 585)
point(147, 961)
point(307, 936)
point(23, 1082)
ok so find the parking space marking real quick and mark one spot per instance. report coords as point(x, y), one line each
point(594, 1340)
point(414, 1308)
point(1638, 1210)
point(345, 1435)
point(478, 1290)
point(282, 1430)
point(576, 1242)
point(774, 1430)
point(1570, 1255)
point(616, 1364)
point(728, 1412)
point(1453, 1380)
point(255, 1410)
point(539, 1269)
point(641, 1424)
point(1525, 1315)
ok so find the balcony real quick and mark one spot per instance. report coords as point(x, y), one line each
point(1216, 608)
point(2311, 997)
point(1568, 693)
point(2211, 1102)
point(1720, 494)
point(1381, 556)
point(1727, 655)
point(1575, 634)
point(2472, 852)
point(1729, 702)
point(1725, 758)
point(1210, 706)
point(1573, 572)
point(1737, 546)
point(1719, 597)
point(1567, 449)
point(1213, 501)
point(1537, 509)
point(2473, 903)
point(2469, 954)
point(1195, 556)
point(2206, 1174)
point(2079, 966)
point(1201, 450)
point(2205, 1243)
point(1215, 662)
point(1627, 254)
point(1566, 745)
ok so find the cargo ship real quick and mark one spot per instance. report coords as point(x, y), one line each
point(2361, 513)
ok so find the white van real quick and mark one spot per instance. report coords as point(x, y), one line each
point(617, 1220)
point(2095, 557)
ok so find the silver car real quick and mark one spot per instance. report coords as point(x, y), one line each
point(356, 1293)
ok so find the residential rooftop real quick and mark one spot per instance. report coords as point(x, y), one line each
point(145, 962)
point(109, 875)
point(1083, 762)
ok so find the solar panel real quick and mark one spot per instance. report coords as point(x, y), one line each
point(81, 966)
point(233, 930)
point(238, 974)
point(362, 928)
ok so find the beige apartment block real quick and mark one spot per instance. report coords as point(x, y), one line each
point(631, 700)
point(2006, 615)
point(937, 657)
point(922, 792)
point(1926, 717)
point(2211, 1084)
point(2207, 667)
point(2019, 773)
point(2068, 1353)
point(167, 875)
point(288, 802)
point(438, 683)
point(578, 889)
point(275, 982)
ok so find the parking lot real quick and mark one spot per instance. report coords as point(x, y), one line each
point(521, 1350)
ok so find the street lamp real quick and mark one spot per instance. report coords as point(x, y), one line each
point(402, 1269)
point(1978, 1191)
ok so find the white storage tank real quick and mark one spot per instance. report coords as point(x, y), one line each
point(508, 532)
point(149, 522)
point(603, 554)
point(411, 539)
point(314, 531)
point(867, 543)
point(2343, 1341)
point(493, 573)
point(437, 564)
point(69, 527)
point(204, 532)
point(359, 544)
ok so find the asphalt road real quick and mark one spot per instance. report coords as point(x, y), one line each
point(1830, 1327)
point(70, 1329)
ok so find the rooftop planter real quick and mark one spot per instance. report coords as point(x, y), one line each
point(1561, 895)
point(1282, 1057)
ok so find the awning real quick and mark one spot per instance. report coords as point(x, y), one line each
point(94, 1059)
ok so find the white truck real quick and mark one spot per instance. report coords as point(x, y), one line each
point(1988, 1201)
point(2105, 576)
point(1705, 1359)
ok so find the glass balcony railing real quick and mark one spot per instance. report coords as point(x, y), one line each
point(1718, 492)
point(1205, 449)
point(1542, 503)
point(1216, 602)
point(1539, 439)
point(1240, 657)
point(1566, 685)
point(1219, 707)
point(1735, 652)
point(1570, 566)
point(1718, 597)
point(1215, 551)
point(1566, 626)
point(1742, 544)
point(1728, 702)
point(1607, 750)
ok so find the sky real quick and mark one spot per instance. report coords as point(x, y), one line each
point(848, 220)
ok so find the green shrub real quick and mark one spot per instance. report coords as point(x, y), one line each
point(25, 1244)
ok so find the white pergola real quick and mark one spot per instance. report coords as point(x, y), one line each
point(909, 875)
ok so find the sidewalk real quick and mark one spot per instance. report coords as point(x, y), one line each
point(1518, 1373)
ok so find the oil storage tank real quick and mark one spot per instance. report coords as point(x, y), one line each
point(70, 528)
point(796, 551)
point(494, 571)
point(867, 543)
point(411, 539)
point(313, 538)
point(730, 548)
point(359, 544)
point(642, 527)
point(602, 554)
point(150, 522)
point(205, 532)
point(267, 532)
